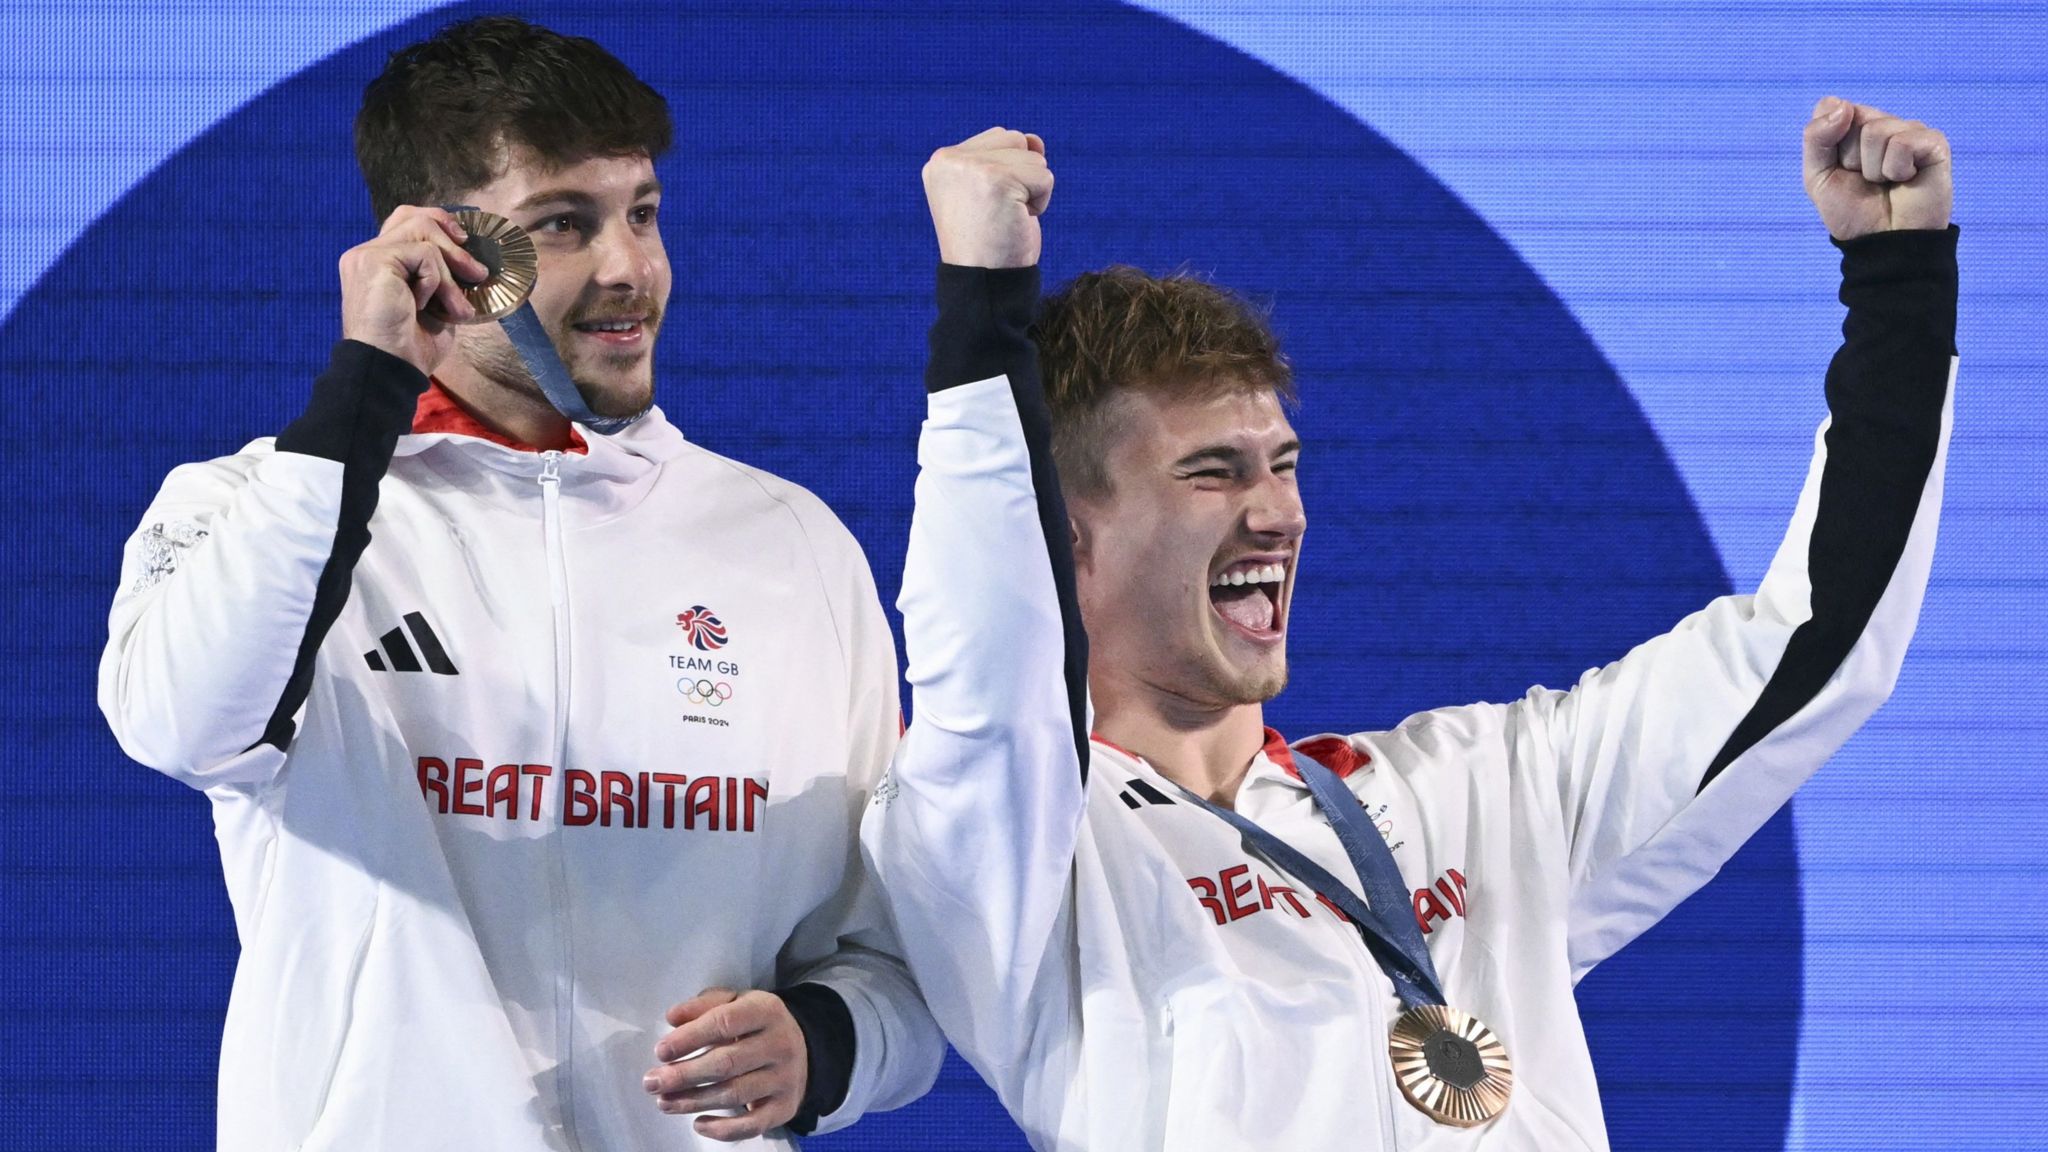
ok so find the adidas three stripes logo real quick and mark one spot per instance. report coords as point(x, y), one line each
point(401, 653)
point(1144, 794)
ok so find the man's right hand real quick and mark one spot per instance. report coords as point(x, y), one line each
point(1869, 171)
point(985, 194)
point(387, 284)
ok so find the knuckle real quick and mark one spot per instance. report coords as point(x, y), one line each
point(733, 1020)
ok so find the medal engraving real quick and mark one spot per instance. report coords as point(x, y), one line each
point(1453, 1059)
point(507, 251)
point(1450, 1066)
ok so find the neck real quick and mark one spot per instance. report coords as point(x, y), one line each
point(1204, 748)
point(525, 417)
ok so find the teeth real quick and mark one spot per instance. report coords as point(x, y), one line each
point(1265, 574)
point(611, 325)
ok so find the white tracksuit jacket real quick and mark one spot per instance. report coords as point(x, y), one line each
point(1129, 975)
point(576, 737)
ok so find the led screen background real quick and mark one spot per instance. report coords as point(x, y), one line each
point(1560, 312)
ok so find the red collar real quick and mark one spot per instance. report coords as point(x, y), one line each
point(1107, 743)
point(1332, 752)
point(440, 411)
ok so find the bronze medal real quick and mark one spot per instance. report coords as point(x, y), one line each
point(1450, 1065)
point(505, 249)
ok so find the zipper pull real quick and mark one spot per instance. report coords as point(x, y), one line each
point(551, 467)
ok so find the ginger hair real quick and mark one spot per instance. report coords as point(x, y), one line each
point(1121, 330)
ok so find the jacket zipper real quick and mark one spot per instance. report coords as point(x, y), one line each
point(558, 880)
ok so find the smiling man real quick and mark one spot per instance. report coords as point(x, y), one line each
point(1153, 923)
point(535, 748)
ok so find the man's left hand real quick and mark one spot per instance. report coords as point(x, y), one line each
point(737, 1050)
point(1869, 171)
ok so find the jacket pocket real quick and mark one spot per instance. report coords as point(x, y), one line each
point(316, 1131)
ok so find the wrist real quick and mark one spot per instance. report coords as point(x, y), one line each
point(994, 258)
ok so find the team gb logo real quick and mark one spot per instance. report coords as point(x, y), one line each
point(705, 630)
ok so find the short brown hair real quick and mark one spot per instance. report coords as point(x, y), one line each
point(1121, 330)
point(437, 123)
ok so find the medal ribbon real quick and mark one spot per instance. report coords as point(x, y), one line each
point(1385, 917)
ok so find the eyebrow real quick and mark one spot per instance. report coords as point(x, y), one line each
point(577, 197)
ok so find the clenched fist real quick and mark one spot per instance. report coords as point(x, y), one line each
point(1868, 171)
point(986, 193)
point(387, 284)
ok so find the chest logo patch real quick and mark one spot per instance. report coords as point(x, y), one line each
point(705, 630)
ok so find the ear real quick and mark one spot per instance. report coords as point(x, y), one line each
point(1079, 537)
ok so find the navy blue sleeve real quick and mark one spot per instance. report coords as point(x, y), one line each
point(828, 1051)
point(359, 408)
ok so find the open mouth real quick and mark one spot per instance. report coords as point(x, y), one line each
point(622, 331)
point(1247, 595)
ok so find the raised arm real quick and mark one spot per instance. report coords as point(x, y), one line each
point(973, 833)
point(1673, 756)
point(882, 1038)
point(242, 565)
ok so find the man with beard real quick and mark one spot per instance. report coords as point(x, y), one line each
point(535, 746)
point(1151, 922)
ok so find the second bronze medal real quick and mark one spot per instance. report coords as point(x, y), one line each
point(1450, 1065)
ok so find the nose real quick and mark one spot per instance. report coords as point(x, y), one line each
point(627, 257)
point(1275, 509)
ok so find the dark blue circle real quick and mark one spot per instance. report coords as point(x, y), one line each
point(1489, 508)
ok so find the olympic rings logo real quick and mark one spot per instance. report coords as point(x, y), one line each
point(704, 691)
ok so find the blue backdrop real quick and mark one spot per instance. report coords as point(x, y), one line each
point(1559, 312)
